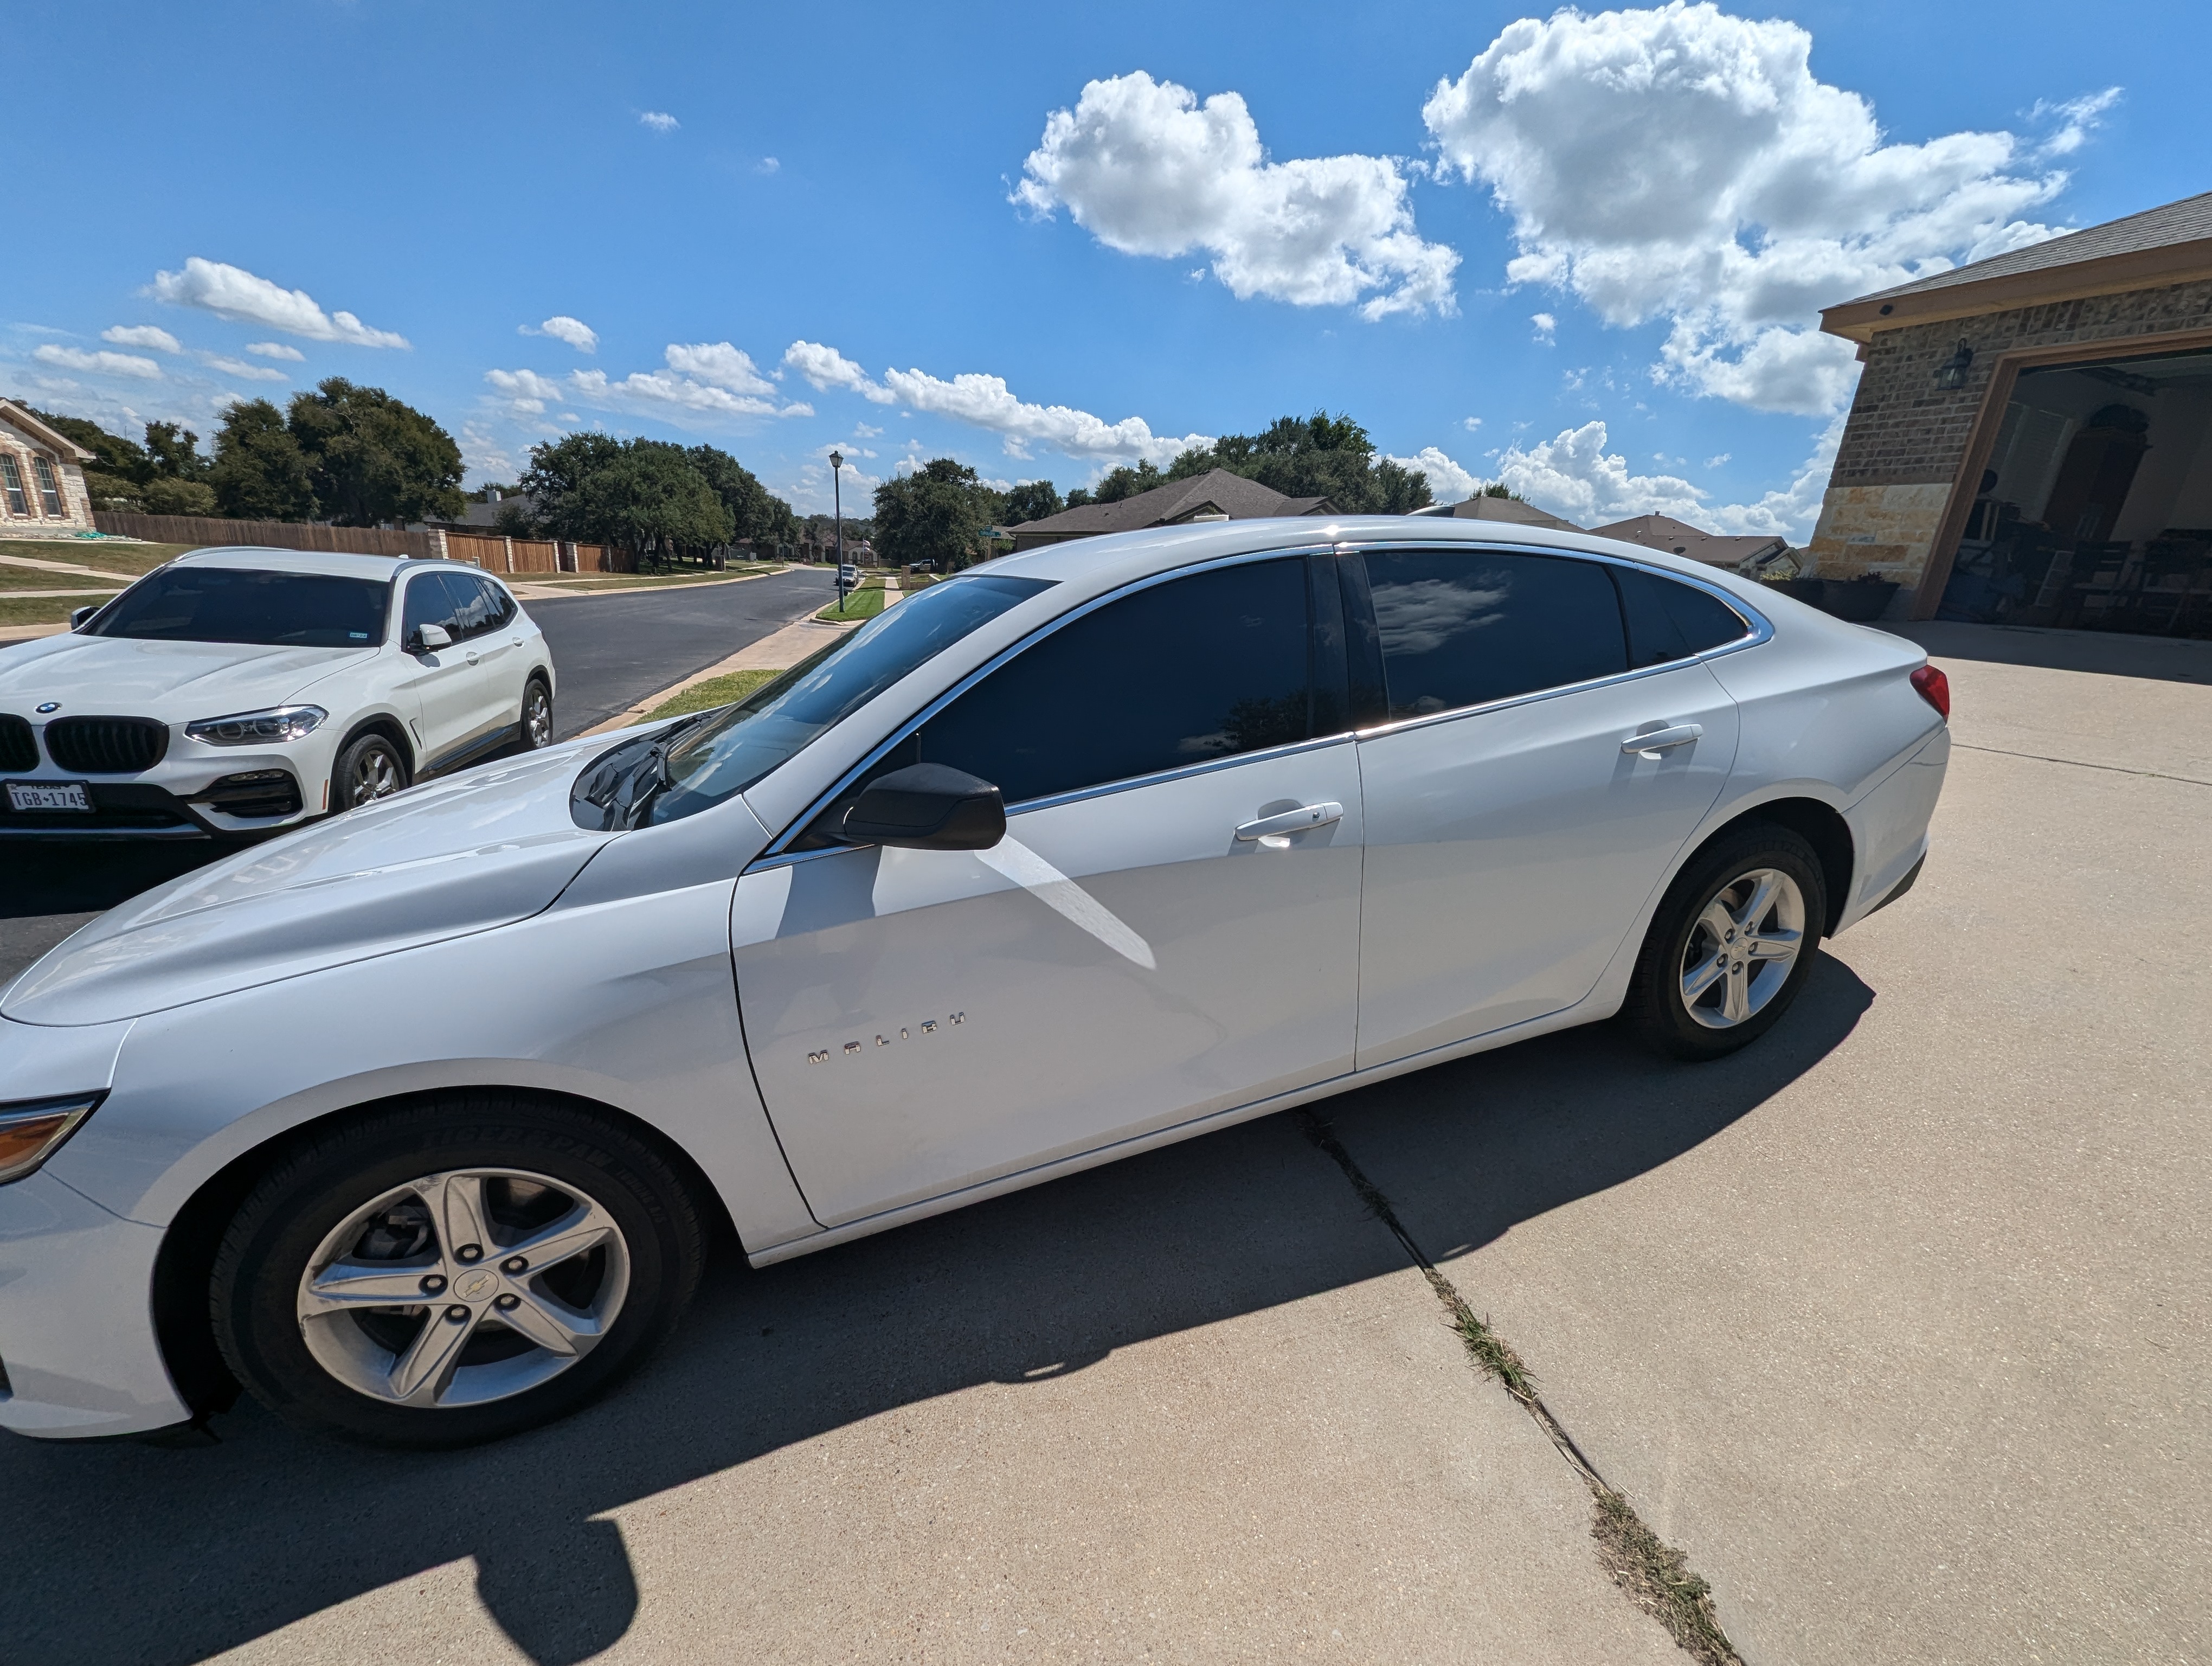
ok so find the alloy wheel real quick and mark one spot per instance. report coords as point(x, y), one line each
point(1740, 952)
point(375, 775)
point(463, 1287)
point(538, 717)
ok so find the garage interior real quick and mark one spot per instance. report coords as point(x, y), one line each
point(2095, 511)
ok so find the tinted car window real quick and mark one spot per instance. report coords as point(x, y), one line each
point(1184, 673)
point(731, 749)
point(429, 602)
point(501, 604)
point(473, 604)
point(1670, 621)
point(237, 605)
point(1460, 628)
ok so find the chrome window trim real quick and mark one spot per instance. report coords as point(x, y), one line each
point(1759, 631)
point(777, 848)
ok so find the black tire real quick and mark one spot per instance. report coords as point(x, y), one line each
point(369, 767)
point(1657, 1011)
point(313, 1189)
point(537, 713)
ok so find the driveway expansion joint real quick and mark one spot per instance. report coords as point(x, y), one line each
point(1656, 1576)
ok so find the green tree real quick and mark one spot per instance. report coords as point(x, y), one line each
point(120, 466)
point(166, 494)
point(173, 453)
point(936, 514)
point(1315, 456)
point(373, 458)
point(757, 513)
point(555, 482)
point(260, 471)
point(651, 500)
point(1029, 500)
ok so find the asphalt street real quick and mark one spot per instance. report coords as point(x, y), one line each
point(611, 650)
point(1895, 1323)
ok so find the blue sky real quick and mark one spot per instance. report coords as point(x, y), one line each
point(871, 204)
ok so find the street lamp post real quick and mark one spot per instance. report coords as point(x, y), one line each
point(837, 499)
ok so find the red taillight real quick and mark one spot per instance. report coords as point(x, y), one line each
point(1935, 689)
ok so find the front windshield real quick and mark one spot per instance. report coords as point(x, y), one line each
point(677, 773)
point(242, 604)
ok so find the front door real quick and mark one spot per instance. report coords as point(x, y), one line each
point(1514, 827)
point(924, 1021)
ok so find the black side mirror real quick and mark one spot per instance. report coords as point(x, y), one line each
point(78, 616)
point(926, 807)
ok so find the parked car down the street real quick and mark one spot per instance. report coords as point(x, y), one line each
point(414, 1122)
point(241, 690)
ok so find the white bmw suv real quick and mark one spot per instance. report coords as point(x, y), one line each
point(239, 690)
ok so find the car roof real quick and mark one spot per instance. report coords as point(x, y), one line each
point(1091, 565)
point(263, 559)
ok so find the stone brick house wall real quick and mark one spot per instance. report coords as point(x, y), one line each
point(1905, 447)
point(34, 461)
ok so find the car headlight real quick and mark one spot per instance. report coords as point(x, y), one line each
point(31, 1132)
point(258, 728)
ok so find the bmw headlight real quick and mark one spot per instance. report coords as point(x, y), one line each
point(278, 723)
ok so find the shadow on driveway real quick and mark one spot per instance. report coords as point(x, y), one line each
point(125, 1551)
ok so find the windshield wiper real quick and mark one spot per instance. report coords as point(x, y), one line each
point(624, 786)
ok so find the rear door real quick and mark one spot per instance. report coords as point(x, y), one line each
point(1514, 826)
point(1135, 954)
point(502, 660)
point(442, 680)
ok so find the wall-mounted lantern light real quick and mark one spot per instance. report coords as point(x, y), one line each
point(1951, 374)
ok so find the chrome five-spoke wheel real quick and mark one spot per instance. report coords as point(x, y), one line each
point(1742, 948)
point(459, 1288)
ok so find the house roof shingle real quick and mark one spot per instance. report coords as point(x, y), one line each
point(21, 420)
point(1509, 509)
point(2169, 244)
point(1678, 538)
point(1216, 490)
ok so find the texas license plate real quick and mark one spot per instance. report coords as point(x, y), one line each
point(65, 796)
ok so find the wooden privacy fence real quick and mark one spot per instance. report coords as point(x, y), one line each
point(274, 534)
point(498, 554)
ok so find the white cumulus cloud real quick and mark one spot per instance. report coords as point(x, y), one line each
point(1448, 483)
point(826, 368)
point(230, 367)
point(528, 393)
point(659, 120)
point(1684, 164)
point(99, 364)
point(573, 330)
point(718, 365)
point(1147, 169)
point(986, 402)
point(141, 335)
point(1575, 475)
point(232, 292)
point(275, 350)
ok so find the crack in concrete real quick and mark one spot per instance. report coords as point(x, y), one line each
point(1656, 1576)
point(2110, 769)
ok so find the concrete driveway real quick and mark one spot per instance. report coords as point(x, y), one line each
point(1896, 1325)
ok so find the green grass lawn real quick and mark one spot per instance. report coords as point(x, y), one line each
point(918, 581)
point(714, 691)
point(37, 578)
point(863, 604)
point(109, 555)
point(44, 610)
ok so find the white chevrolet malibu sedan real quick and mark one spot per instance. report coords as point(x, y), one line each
point(413, 1123)
point(241, 690)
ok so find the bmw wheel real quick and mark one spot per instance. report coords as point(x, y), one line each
point(370, 768)
point(1731, 944)
point(537, 716)
point(454, 1271)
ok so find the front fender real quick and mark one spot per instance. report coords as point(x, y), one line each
point(631, 1003)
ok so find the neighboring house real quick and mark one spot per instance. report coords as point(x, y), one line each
point(1216, 494)
point(2031, 438)
point(42, 491)
point(1746, 555)
point(1511, 510)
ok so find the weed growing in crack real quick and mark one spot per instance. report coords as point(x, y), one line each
point(1656, 1576)
point(1658, 1580)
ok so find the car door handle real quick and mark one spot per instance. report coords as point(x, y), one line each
point(474, 658)
point(1656, 741)
point(1292, 821)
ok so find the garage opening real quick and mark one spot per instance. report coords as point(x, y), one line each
point(2095, 512)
